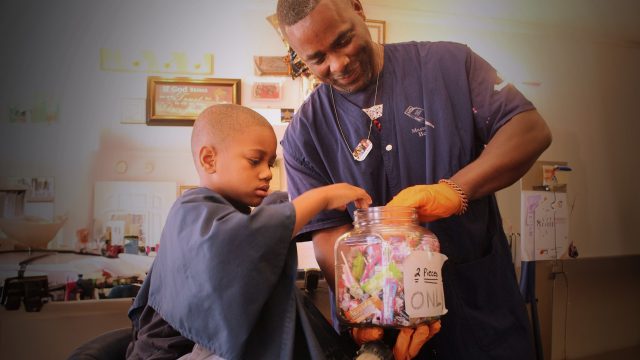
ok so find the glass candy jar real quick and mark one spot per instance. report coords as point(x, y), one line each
point(388, 270)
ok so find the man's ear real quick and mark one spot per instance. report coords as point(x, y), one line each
point(207, 159)
point(357, 7)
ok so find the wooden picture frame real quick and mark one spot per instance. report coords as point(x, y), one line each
point(183, 188)
point(378, 31)
point(286, 115)
point(271, 65)
point(179, 101)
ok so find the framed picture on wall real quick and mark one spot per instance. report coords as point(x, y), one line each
point(39, 189)
point(269, 91)
point(179, 101)
point(271, 65)
point(377, 28)
point(286, 115)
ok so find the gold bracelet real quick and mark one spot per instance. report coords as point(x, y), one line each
point(460, 192)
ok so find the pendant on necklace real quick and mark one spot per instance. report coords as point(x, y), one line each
point(374, 112)
point(362, 150)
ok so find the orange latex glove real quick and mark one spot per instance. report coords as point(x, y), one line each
point(366, 334)
point(433, 202)
point(410, 340)
point(408, 343)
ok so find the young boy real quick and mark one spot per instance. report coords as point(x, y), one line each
point(224, 278)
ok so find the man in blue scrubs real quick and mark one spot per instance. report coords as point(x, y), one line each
point(433, 125)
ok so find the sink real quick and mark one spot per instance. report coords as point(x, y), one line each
point(31, 231)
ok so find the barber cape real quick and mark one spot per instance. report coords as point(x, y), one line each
point(225, 278)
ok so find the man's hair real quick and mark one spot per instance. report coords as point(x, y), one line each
point(218, 123)
point(289, 12)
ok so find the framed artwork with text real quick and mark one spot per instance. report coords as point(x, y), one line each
point(179, 101)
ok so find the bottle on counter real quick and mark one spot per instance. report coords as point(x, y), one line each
point(131, 244)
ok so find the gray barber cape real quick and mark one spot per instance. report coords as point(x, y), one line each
point(225, 276)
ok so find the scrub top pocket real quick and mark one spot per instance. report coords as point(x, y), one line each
point(487, 307)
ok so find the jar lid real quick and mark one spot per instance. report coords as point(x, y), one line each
point(380, 214)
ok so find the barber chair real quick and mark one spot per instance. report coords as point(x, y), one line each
point(111, 345)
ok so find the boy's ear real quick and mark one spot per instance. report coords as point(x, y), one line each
point(207, 159)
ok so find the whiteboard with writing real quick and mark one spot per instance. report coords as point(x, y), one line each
point(544, 224)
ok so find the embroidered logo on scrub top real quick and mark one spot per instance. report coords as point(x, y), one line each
point(500, 84)
point(417, 114)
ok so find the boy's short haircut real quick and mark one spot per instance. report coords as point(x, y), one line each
point(220, 122)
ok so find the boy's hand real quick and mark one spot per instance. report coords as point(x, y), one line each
point(339, 195)
point(330, 197)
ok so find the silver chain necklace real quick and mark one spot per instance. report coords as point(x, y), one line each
point(365, 145)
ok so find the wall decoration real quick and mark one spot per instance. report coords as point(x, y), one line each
point(44, 110)
point(545, 225)
point(121, 167)
point(286, 115)
point(271, 65)
point(277, 179)
point(179, 101)
point(122, 60)
point(39, 189)
point(271, 91)
point(18, 114)
point(149, 166)
point(295, 66)
point(309, 83)
point(377, 28)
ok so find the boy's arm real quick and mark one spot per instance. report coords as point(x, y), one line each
point(331, 197)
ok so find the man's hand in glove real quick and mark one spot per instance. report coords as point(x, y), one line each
point(434, 201)
point(362, 335)
point(410, 340)
point(408, 343)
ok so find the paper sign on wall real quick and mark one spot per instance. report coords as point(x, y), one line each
point(174, 62)
point(545, 225)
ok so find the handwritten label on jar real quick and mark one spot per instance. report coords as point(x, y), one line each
point(423, 293)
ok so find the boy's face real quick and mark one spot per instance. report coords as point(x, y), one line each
point(243, 166)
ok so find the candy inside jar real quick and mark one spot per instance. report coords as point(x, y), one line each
point(388, 270)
